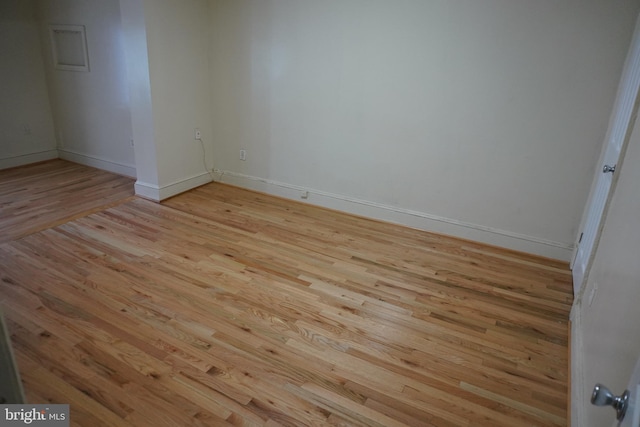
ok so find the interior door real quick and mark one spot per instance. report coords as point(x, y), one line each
point(626, 405)
point(620, 125)
point(11, 391)
point(632, 416)
point(606, 321)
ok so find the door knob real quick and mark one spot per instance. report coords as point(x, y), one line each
point(602, 396)
point(607, 169)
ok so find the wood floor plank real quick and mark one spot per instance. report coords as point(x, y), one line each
point(222, 306)
point(35, 197)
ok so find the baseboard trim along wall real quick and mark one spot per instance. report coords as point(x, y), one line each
point(158, 193)
point(410, 218)
point(97, 162)
point(26, 159)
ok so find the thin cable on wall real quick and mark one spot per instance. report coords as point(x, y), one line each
point(204, 162)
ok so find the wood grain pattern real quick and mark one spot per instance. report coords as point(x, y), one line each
point(38, 196)
point(223, 306)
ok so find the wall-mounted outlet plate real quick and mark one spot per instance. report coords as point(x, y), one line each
point(197, 134)
point(243, 154)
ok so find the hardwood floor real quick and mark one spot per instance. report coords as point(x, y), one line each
point(44, 194)
point(227, 307)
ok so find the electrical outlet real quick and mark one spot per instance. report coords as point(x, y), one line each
point(243, 154)
point(197, 134)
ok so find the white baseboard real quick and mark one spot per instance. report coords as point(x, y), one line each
point(158, 193)
point(407, 217)
point(97, 162)
point(576, 393)
point(25, 159)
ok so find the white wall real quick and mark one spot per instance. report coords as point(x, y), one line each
point(134, 34)
point(24, 100)
point(91, 110)
point(481, 119)
point(606, 322)
point(177, 37)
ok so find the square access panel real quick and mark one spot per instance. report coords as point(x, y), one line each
point(69, 45)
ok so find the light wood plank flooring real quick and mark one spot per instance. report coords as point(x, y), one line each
point(37, 196)
point(227, 307)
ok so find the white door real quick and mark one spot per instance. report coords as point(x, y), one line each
point(627, 404)
point(620, 125)
point(632, 417)
point(606, 321)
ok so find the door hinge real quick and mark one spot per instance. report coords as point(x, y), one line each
point(580, 239)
